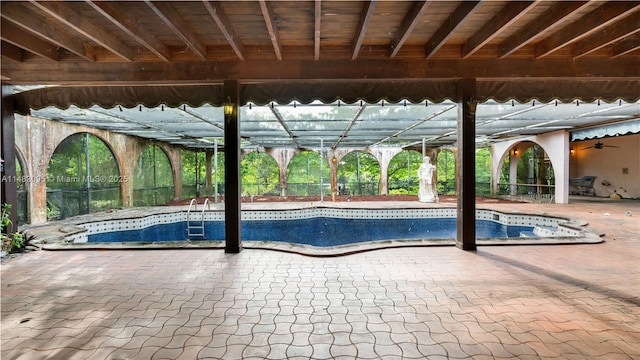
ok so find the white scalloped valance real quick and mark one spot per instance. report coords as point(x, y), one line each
point(621, 128)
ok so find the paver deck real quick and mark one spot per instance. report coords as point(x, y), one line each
point(526, 302)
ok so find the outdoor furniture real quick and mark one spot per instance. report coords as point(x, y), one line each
point(583, 185)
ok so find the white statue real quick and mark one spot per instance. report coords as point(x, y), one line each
point(427, 192)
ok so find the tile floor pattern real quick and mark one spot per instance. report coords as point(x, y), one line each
point(411, 303)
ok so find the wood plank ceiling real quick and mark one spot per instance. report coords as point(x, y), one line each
point(138, 42)
point(298, 43)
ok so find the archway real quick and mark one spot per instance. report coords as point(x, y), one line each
point(304, 174)
point(153, 178)
point(260, 174)
point(532, 175)
point(82, 177)
point(403, 173)
point(358, 174)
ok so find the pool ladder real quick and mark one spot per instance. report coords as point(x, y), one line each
point(195, 228)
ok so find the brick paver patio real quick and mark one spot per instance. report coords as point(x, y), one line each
point(526, 302)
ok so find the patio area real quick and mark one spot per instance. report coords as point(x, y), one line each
point(527, 302)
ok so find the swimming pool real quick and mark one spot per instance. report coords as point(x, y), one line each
point(326, 227)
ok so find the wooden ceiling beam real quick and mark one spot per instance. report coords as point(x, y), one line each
point(316, 31)
point(272, 28)
point(130, 26)
point(14, 35)
point(168, 14)
point(502, 20)
point(589, 24)
point(38, 26)
point(540, 26)
point(225, 25)
point(11, 52)
point(64, 13)
point(207, 72)
point(614, 33)
point(625, 46)
point(361, 29)
point(447, 28)
point(411, 19)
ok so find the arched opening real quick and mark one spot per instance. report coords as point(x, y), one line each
point(22, 189)
point(446, 168)
point(152, 178)
point(82, 177)
point(534, 174)
point(403, 173)
point(304, 174)
point(260, 174)
point(358, 174)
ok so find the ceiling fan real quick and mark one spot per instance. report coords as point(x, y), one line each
point(599, 145)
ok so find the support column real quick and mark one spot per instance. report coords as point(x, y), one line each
point(232, 209)
point(8, 191)
point(465, 165)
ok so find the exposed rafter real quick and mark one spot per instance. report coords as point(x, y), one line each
point(540, 26)
point(38, 26)
point(270, 22)
point(626, 46)
point(361, 29)
point(64, 13)
point(130, 26)
point(589, 24)
point(447, 28)
point(15, 36)
point(316, 29)
point(616, 32)
point(410, 21)
point(12, 52)
point(225, 25)
point(170, 17)
point(505, 18)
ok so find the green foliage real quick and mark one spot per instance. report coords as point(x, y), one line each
point(260, 174)
point(359, 172)
point(446, 169)
point(403, 173)
point(303, 174)
point(71, 176)
point(153, 177)
point(10, 242)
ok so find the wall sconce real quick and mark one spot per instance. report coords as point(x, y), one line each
point(334, 160)
point(228, 107)
point(572, 151)
point(515, 151)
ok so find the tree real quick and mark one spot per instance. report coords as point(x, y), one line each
point(402, 172)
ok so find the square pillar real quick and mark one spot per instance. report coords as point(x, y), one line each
point(232, 209)
point(466, 165)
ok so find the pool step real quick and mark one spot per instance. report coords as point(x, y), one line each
point(195, 228)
